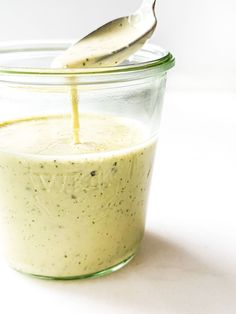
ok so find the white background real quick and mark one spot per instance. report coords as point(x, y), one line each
point(187, 262)
point(200, 33)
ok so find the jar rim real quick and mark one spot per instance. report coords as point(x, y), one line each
point(164, 62)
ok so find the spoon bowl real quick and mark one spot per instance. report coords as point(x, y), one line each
point(112, 43)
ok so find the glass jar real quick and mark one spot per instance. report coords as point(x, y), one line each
point(64, 214)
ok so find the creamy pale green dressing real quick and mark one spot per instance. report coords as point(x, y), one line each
point(69, 209)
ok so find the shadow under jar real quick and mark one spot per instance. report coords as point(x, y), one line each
point(76, 210)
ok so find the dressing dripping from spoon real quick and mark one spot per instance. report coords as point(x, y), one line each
point(109, 45)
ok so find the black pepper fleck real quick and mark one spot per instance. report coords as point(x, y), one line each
point(93, 173)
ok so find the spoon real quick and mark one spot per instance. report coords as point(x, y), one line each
point(113, 42)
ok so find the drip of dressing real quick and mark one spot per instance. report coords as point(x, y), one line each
point(109, 45)
point(74, 96)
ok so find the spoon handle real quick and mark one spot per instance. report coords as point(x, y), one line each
point(148, 3)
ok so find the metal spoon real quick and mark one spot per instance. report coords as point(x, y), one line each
point(112, 43)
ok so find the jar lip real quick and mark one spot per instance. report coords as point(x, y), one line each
point(163, 63)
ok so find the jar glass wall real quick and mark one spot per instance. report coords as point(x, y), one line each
point(71, 212)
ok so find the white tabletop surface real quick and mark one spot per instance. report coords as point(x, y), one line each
point(187, 263)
